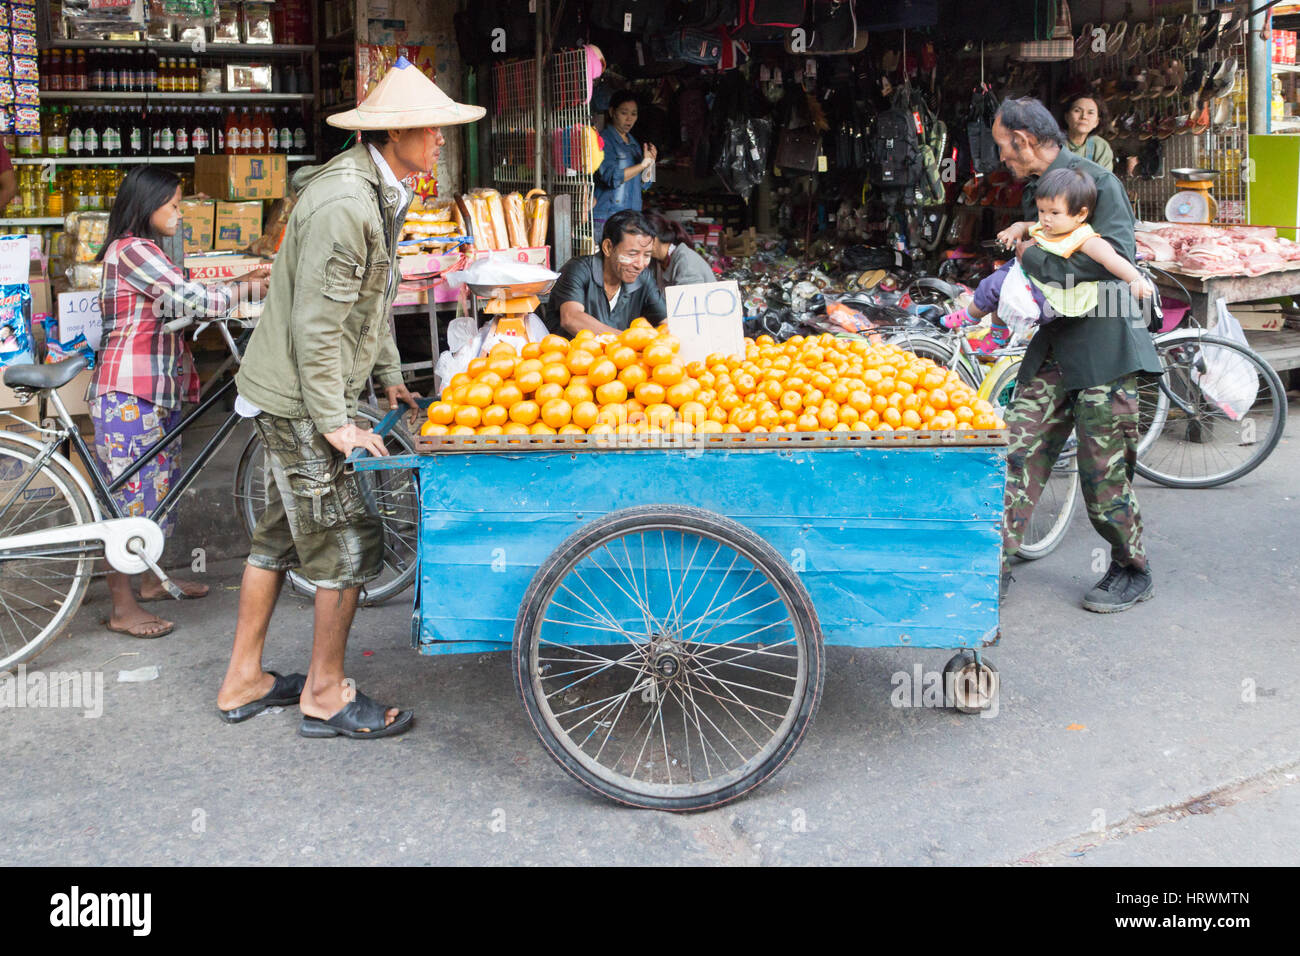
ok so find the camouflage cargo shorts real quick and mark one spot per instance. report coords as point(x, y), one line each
point(318, 519)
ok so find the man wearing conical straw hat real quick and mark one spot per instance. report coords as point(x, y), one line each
point(324, 332)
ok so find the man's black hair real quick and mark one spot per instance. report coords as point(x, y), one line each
point(1032, 117)
point(373, 137)
point(627, 222)
point(1076, 187)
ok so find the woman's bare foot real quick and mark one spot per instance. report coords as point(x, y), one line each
point(328, 701)
point(237, 691)
point(151, 588)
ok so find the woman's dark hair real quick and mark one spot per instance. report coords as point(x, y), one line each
point(627, 222)
point(143, 191)
point(619, 98)
point(668, 230)
point(1103, 115)
point(1032, 117)
point(1077, 188)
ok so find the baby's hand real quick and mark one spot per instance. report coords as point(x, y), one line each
point(1141, 288)
point(1013, 234)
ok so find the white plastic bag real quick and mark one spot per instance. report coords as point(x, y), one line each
point(1016, 305)
point(1229, 379)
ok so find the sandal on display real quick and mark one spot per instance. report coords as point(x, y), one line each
point(1210, 32)
point(1225, 78)
point(1202, 121)
point(283, 693)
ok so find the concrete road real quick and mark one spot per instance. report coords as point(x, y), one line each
point(1169, 734)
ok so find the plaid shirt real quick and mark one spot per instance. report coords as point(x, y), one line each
point(140, 292)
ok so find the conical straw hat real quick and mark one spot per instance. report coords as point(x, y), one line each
point(406, 99)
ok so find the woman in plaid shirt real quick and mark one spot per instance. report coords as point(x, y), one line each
point(144, 372)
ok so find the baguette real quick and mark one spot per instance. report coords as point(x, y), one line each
point(516, 224)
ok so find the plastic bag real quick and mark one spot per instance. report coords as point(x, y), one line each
point(15, 330)
point(1016, 305)
point(56, 351)
point(1229, 379)
point(742, 162)
point(467, 342)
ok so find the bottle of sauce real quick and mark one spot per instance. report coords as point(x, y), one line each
point(232, 131)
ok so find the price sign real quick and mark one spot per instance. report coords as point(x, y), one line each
point(707, 317)
point(15, 260)
point(79, 315)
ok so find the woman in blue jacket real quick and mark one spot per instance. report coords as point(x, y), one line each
point(618, 180)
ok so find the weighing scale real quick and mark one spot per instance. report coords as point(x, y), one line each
point(1193, 202)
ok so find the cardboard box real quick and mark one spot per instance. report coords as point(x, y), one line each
point(1259, 316)
point(209, 269)
point(79, 315)
point(73, 395)
point(238, 225)
point(198, 221)
point(241, 177)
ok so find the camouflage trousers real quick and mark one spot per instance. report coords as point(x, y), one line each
point(1041, 417)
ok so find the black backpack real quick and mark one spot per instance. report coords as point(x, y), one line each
point(768, 20)
point(634, 17)
point(703, 14)
point(894, 148)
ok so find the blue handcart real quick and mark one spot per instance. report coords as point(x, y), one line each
point(667, 604)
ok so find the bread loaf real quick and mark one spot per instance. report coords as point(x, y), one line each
point(515, 221)
point(537, 210)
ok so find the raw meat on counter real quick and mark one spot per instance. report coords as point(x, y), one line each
point(1155, 248)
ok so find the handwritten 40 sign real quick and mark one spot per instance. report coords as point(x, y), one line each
point(707, 317)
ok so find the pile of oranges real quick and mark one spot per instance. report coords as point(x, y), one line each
point(633, 383)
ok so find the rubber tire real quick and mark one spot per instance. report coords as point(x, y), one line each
point(62, 477)
point(937, 349)
point(960, 661)
point(1271, 379)
point(1046, 545)
point(691, 520)
point(244, 507)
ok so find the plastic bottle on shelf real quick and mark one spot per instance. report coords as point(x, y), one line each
point(53, 199)
point(83, 71)
point(200, 141)
point(51, 70)
point(90, 132)
point(56, 139)
point(134, 144)
point(182, 128)
point(245, 131)
point(151, 71)
point(76, 135)
point(96, 57)
point(257, 131)
point(300, 143)
point(166, 134)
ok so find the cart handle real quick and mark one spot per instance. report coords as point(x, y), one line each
point(387, 422)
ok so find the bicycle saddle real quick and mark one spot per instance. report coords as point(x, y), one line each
point(40, 377)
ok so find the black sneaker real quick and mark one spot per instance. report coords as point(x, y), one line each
point(1119, 590)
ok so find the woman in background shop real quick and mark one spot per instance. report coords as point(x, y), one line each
point(1083, 117)
point(618, 179)
point(143, 372)
point(676, 263)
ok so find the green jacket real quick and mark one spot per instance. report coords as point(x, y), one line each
point(324, 329)
point(1112, 340)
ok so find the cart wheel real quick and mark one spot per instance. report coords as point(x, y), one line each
point(668, 658)
point(970, 687)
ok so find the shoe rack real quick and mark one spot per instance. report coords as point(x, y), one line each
point(1176, 87)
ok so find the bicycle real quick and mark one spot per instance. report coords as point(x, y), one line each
point(54, 523)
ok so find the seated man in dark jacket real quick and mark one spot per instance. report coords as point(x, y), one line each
point(606, 291)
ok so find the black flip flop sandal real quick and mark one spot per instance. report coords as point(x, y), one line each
point(283, 693)
point(361, 719)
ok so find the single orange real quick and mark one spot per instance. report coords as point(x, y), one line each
point(668, 373)
point(441, 413)
point(633, 375)
point(525, 413)
point(477, 366)
point(679, 394)
point(514, 428)
point(460, 378)
point(744, 418)
point(717, 414)
point(708, 427)
point(488, 430)
point(613, 391)
point(495, 415)
point(547, 392)
point(528, 382)
point(470, 416)
point(576, 392)
point(540, 428)
point(910, 419)
point(657, 353)
point(892, 417)
point(572, 429)
point(433, 428)
point(807, 422)
point(600, 428)
point(585, 413)
point(479, 395)
point(637, 337)
point(461, 430)
point(649, 393)
point(531, 350)
point(640, 322)
point(621, 355)
point(503, 365)
point(660, 414)
point(601, 371)
point(579, 361)
point(555, 343)
point(613, 414)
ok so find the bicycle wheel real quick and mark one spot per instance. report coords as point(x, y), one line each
point(41, 587)
point(1217, 412)
point(668, 658)
point(396, 499)
point(937, 350)
point(1055, 508)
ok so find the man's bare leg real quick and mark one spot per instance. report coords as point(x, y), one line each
point(323, 695)
point(245, 680)
point(127, 613)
